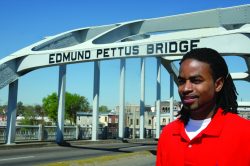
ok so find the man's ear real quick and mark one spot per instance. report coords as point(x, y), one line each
point(219, 84)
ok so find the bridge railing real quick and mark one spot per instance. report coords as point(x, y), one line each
point(39, 133)
point(26, 133)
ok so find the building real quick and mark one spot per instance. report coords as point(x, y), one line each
point(244, 112)
point(108, 123)
point(132, 115)
point(132, 119)
point(3, 120)
point(84, 119)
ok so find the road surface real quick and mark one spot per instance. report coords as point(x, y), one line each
point(42, 155)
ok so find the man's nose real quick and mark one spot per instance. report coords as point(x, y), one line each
point(188, 86)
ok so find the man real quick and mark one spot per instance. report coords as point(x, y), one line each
point(208, 131)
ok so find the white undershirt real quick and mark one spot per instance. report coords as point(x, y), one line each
point(194, 127)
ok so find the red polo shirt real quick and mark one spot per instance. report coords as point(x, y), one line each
point(224, 142)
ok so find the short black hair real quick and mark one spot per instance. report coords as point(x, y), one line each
point(227, 97)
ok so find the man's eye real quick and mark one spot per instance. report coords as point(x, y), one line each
point(196, 81)
point(181, 82)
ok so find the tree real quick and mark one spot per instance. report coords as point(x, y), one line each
point(50, 106)
point(73, 104)
point(29, 115)
point(103, 108)
point(40, 112)
point(3, 109)
point(20, 109)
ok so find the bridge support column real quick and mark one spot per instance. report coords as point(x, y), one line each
point(142, 101)
point(158, 99)
point(96, 90)
point(122, 98)
point(171, 101)
point(61, 104)
point(11, 113)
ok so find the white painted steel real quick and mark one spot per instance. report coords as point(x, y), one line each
point(171, 100)
point(61, 104)
point(158, 99)
point(142, 99)
point(11, 113)
point(96, 92)
point(122, 98)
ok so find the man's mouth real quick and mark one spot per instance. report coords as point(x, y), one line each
point(188, 100)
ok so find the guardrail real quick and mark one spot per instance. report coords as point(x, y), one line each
point(26, 133)
point(43, 133)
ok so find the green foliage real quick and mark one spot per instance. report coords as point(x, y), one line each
point(3, 109)
point(103, 108)
point(39, 110)
point(50, 105)
point(73, 104)
point(20, 109)
point(30, 114)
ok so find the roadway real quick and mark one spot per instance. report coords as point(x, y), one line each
point(51, 154)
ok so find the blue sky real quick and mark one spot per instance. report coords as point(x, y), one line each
point(28, 21)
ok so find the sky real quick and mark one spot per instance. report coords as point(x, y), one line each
point(26, 22)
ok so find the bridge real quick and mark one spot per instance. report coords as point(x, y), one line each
point(226, 30)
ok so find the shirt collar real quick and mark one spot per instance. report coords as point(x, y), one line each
point(216, 125)
point(213, 129)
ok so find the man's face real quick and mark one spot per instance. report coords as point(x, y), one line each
point(197, 88)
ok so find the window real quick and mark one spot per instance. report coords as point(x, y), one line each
point(149, 122)
point(137, 121)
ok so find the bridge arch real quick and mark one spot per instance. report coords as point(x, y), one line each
point(167, 38)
